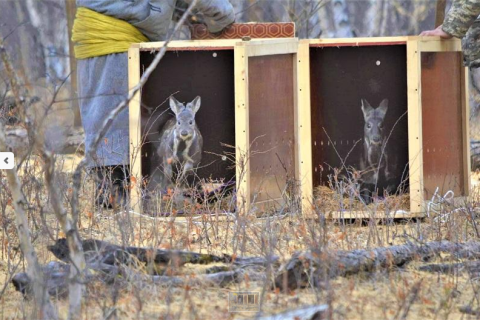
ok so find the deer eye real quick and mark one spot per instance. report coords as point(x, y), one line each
point(380, 125)
point(178, 122)
point(191, 122)
point(369, 126)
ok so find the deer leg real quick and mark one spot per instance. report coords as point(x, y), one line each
point(155, 181)
point(389, 178)
point(175, 151)
point(168, 174)
point(185, 152)
point(387, 172)
point(366, 193)
point(188, 166)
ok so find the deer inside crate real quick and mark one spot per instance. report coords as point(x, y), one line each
point(377, 163)
point(179, 147)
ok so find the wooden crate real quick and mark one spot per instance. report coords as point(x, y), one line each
point(427, 86)
point(240, 84)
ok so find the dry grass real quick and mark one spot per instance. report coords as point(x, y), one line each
point(332, 200)
point(374, 296)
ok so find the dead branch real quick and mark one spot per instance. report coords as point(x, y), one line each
point(308, 268)
point(407, 303)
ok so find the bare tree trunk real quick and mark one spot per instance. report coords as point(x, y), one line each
point(21, 41)
point(440, 12)
point(70, 7)
point(341, 19)
point(373, 18)
point(52, 35)
point(305, 14)
point(326, 22)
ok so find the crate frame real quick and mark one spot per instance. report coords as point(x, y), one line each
point(243, 50)
point(415, 46)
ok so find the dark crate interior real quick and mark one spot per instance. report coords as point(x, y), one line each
point(187, 74)
point(340, 78)
point(442, 134)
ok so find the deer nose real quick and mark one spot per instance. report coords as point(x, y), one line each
point(376, 139)
point(184, 133)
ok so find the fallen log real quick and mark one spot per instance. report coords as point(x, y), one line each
point(448, 268)
point(53, 276)
point(18, 141)
point(309, 268)
point(57, 277)
point(469, 310)
point(111, 254)
point(104, 252)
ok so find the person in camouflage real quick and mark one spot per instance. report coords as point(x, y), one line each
point(462, 22)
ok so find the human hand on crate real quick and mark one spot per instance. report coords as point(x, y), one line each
point(438, 32)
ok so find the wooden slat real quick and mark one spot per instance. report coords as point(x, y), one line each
point(226, 44)
point(135, 130)
point(466, 130)
point(415, 127)
point(242, 138)
point(433, 44)
point(427, 44)
point(379, 214)
point(271, 47)
point(190, 44)
point(360, 41)
point(303, 126)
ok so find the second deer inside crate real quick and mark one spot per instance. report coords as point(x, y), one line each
point(389, 124)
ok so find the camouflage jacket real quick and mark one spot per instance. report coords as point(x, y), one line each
point(462, 22)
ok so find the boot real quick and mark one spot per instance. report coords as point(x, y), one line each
point(111, 186)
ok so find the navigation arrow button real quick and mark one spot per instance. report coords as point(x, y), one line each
point(8, 160)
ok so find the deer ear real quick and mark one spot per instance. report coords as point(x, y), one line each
point(195, 104)
point(366, 108)
point(383, 107)
point(175, 105)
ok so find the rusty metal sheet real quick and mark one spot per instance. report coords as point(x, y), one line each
point(442, 123)
point(271, 124)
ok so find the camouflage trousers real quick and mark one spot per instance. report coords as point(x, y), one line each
point(471, 46)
